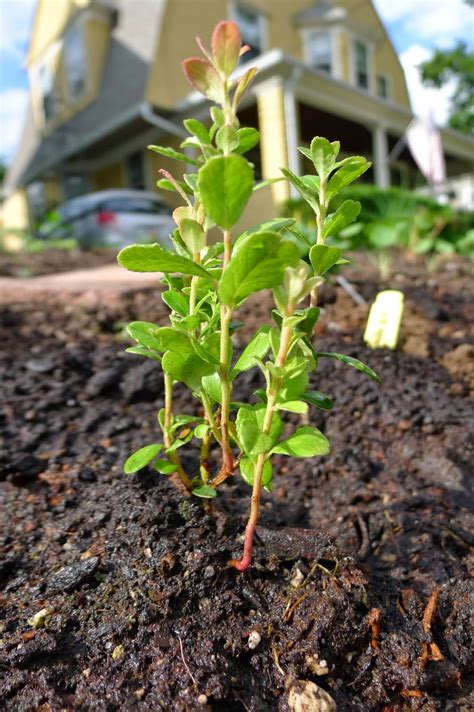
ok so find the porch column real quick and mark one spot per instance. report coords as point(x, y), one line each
point(292, 127)
point(272, 123)
point(380, 153)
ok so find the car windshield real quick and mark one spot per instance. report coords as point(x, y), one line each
point(133, 205)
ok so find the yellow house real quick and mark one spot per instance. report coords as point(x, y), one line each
point(106, 81)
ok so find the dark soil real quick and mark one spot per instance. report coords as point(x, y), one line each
point(52, 261)
point(142, 610)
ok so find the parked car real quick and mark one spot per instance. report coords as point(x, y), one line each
point(115, 218)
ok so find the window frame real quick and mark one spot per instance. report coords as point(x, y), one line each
point(334, 34)
point(388, 83)
point(233, 6)
point(371, 84)
point(77, 27)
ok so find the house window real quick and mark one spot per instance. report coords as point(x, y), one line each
point(361, 64)
point(135, 171)
point(320, 51)
point(75, 62)
point(250, 24)
point(382, 86)
point(46, 83)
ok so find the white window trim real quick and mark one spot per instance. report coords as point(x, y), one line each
point(46, 59)
point(232, 13)
point(388, 79)
point(353, 38)
point(81, 25)
point(334, 34)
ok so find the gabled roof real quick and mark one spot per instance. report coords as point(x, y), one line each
point(323, 10)
point(121, 93)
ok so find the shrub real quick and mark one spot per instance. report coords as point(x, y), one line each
point(205, 284)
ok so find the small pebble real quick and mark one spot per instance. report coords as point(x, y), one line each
point(298, 578)
point(118, 652)
point(139, 694)
point(202, 699)
point(254, 639)
point(39, 620)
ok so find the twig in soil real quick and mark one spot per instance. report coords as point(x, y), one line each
point(291, 607)
point(430, 651)
point(364, 547)
point(374, 622)
point(276, 658)
point(317, 565)
point(185, 663)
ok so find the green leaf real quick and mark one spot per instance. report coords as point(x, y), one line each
point(227, 139)
point(354, 362)
point(346, 175)
point(304, 442)
point(154, 258)
point(346, 213)
point(257, 347)
point(249, 424)
point(193, 235)
point(144, 333)
point(323, 155)
point(187, 368)
point(274, 225)
point(247, 468)
point(293, 406)
point(176, 301)
point(205, 492)
point(140, 458)
point(171, 153)
point(248, 137)
point(320, 400)
point(258, 264)
point(171, 339)
point(307, 193)
point(323, 258)
point(225, 184)
point(144, 351)
point(197, 128)
point(201, 430)
point(164, 467)
point(295, 378)
point(212, 386)
point(242, 86)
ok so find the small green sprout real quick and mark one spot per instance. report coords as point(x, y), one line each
point(206, 283)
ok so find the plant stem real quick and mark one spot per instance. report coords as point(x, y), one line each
point(168, 440)
point(225, 356)
point(272, 395)
point(224, 369)
point(194, 286)
point(210, 416)
point(321, 214)
point(320, 219)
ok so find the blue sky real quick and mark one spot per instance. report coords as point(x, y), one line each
point(415, 27)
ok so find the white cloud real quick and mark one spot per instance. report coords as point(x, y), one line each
point(424, 100)
point(13, 104)
point(438, 22)
point(16, 17)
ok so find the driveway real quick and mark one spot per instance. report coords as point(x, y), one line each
point(108, 280)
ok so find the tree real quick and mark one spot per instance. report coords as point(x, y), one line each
point(456, 65)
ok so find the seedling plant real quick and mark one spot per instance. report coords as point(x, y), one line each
point(206, 283)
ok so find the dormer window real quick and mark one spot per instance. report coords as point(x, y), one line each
point(382, 86)
point(250, 23)
point(48, 95)
point(319, 50)
point(361, 62)
point(75, 62)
